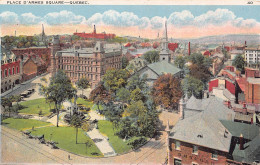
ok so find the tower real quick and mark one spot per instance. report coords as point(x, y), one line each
point(182, 106)
point(43, 40)
point(54, 48)
point(164, 54)
point(94, 30)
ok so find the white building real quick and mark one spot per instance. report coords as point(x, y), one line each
point(252, 55)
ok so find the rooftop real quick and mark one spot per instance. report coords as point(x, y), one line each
point(163, 67)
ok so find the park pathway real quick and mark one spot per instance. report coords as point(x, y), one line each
point(101, 142)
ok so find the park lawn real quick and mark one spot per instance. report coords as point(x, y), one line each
point(66, 138)
point(106, 127)
point(34, 106)
point(84, 102)
point(24, 124)
point(95, 107)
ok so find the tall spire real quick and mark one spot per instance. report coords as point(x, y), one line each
point(43, 30)
point(94, 29)
point(166, 36)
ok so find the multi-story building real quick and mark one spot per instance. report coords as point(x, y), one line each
point(91, 63)
point(211, 136)
point(42, 52)
point(95, 35)
point(10, 70)
point(252, 55)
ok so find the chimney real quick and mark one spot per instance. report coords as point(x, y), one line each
point(244, 108)
point(229, 104)
point(245, 44)
point(241, 142)
point(182, 106)
point(252, 121)
point(189, 48)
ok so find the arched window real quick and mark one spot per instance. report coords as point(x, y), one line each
point(9, 72)
point(13, 71)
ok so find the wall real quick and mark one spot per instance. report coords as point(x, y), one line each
point(203, 156)
point(252, 93)
point(213, 83)
point(230, 87)
point(29, 67)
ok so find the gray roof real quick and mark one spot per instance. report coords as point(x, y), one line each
point(203, 130)
point(163, 67)
point(211, 105)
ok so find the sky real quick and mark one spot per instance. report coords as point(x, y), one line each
point(132, 20)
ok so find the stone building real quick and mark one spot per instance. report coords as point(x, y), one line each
point(91, 63)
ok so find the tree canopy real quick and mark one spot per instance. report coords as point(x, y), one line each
point(151, 56)
point(239, 62)
point(179, 62)
point(59, 90)
point(167, 91)
point(192, 85)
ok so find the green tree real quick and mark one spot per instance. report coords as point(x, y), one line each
point(115, 79)
point(6, 102)
point(123, 95)
point(100, 95)
point(125, 62)
point(151, 56)
point(137, 81)
point(17, 99)
point(167, 91)
point(76, 122)
point(59, 90)
point(179, 62)
point(83, 83)
point(193, 86)
point(239, 63)
point(137, 95)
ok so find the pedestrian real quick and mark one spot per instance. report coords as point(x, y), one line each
point(69, 157)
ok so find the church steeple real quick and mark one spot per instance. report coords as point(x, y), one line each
point(43, 33)
point(164, 54)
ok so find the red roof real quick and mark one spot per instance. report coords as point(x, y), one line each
point(95, 35)
point(172, 46)
point(207, 53)
point(241, 83)
point(128, 44)
point(155, 45)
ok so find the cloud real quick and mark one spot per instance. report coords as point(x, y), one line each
point(184, 18)
point(157, 22)
point(63, 17)
point(29, 19)
point(181, 18)
point(123, 19)
point(240, 22)
point(8, 17)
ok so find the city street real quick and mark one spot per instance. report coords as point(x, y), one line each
point(30, 151)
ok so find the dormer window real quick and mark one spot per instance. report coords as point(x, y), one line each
point(96, 48)
point(177, 145)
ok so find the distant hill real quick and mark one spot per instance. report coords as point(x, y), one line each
point(251, 39)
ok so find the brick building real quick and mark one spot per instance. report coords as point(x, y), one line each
point(33, 66)
point(91, 63)
point(95, 35)
point(211, 137)
point(43, 52)
point(10, 70)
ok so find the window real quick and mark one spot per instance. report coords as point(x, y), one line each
point(9, 72)
point(195, 150)
point(177, 145)
point(177, 162)
point(17, 69)
point(13, 71)
point(214, 155)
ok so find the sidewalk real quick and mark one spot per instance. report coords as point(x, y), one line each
point(101, 142)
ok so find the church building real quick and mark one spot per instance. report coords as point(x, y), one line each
point(163, 66)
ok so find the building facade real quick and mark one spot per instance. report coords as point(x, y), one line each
point(95, 35)
point(252, 55)
point(10, 70)
point(91, 63)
